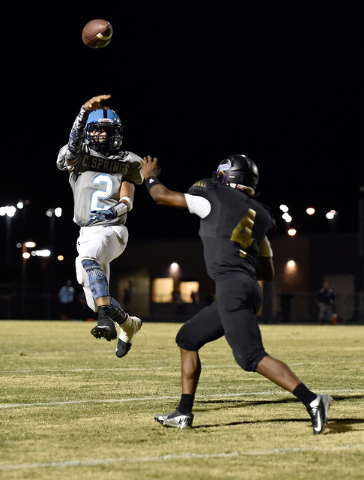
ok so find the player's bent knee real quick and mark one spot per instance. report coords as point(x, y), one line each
point(185, 342)
point(248, 362)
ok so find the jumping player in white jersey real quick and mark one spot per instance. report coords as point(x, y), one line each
point(103, 178)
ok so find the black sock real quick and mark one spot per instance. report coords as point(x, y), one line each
point(303, 394)
point(186, 403)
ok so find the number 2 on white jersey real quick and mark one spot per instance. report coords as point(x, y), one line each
point(245, 239)
point(106, 183)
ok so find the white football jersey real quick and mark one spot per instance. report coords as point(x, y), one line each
point(96, 180)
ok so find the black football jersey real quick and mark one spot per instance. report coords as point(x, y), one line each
point(234, 229)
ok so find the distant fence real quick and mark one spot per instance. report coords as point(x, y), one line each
point(45, 306)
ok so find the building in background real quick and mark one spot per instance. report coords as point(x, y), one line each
point(154, 272)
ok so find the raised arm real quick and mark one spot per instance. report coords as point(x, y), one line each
point(77, 134)
point(160, 194)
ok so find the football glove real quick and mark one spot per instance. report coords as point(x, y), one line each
point(101, 216)
point(117, 210)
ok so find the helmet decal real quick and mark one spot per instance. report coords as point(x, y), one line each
point(238, 170)
point(222, 170)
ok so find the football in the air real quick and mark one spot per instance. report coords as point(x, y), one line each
point(97, 33)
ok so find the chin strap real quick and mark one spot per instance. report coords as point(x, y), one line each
point(243, 188)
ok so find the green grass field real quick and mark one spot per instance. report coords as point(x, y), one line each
point(70, 409)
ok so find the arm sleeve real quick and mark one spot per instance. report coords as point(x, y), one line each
point(77, 136)
point(61, 159)
point(265, 250)
point(198, 205)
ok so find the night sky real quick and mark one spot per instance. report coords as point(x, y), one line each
point(193, 82)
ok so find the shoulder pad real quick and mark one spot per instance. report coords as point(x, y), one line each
point(134, 157)
point(201, 186)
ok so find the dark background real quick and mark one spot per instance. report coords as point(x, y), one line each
point(193, 82)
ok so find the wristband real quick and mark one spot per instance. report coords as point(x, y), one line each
point(151, 181)
point(120, 208)
point(128, 201)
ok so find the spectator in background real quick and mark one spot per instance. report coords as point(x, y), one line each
point(195, 296)
point(66, 296)
point(286, 303)
point(84, 308)
point(326, 302)
point(177, 300)
point(126, 300)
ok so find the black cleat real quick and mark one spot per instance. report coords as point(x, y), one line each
point(105, 326)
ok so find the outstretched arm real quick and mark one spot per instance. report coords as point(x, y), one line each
point(77, 134)
point(160, 194)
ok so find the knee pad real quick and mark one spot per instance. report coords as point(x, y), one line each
point(97, 278)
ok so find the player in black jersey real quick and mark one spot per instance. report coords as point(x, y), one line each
point(234, 229)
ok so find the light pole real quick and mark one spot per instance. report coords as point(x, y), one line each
point(51, 214)
point(9, 211)
point(25, 256)
point(21, 206)
point(361, 255)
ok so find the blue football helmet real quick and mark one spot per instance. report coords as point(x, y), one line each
point(101, 122)
point(238, 170)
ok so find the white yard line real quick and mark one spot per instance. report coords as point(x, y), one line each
point(182, 456)
point(130, 369)
point(149, 399)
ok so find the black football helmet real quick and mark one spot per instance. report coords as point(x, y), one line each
point(108, 121)
point(238, 170)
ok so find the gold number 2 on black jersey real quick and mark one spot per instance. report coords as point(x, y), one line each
point(244, 238)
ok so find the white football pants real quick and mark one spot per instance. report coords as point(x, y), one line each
point(102, 244)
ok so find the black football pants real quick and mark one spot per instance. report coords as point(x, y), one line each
point(233, 314)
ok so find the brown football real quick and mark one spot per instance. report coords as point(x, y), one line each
point(97, 33)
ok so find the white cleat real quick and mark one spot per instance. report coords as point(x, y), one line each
point(128, 328)
point(176, 419)
point(318, 411)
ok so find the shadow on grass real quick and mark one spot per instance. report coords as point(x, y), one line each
point(334, 426)
point(238, 403)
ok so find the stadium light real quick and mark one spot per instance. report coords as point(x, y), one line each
point(310, 211)
point(292, 232)
point(41, 253)
point(21, 204)
point(332, 214)
point(284, 208)
point(30, 244)
point(287, 217)
point(9, 211)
